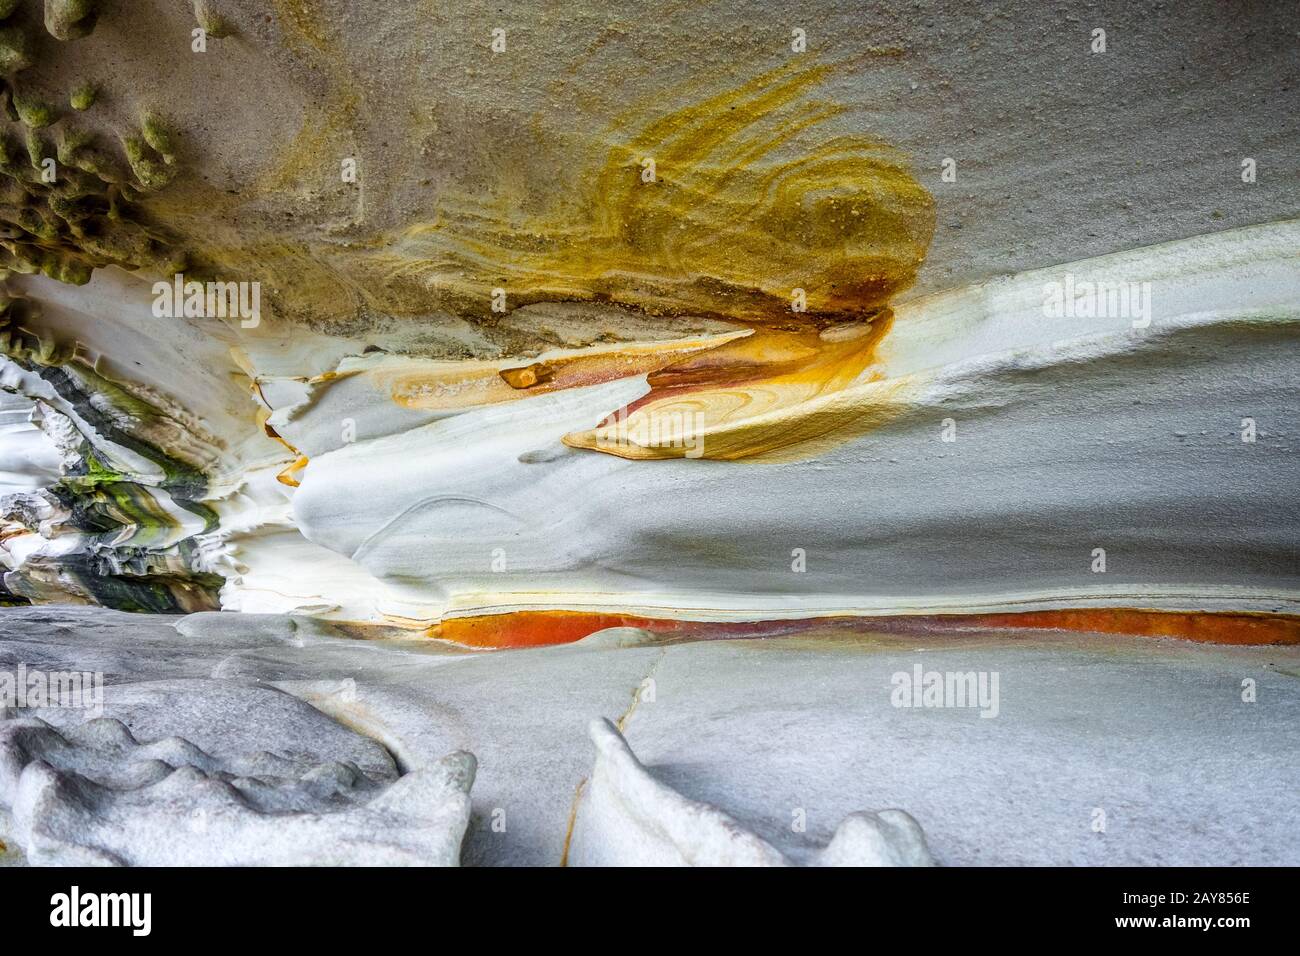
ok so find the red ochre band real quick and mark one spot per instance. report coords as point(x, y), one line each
point(545, 628)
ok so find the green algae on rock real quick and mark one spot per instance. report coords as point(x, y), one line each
point(83, 97)
point(15, 50)
point(71, 19)
point(212, 22)
point(74, 206)
point(127, 510)
point(33, 111)
point(160, 136)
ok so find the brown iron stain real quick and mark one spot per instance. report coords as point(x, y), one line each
point(528, 376)
point(746, 205)
point(783, 388)
point(286, 475)
point(452, 385)
point(719, 208)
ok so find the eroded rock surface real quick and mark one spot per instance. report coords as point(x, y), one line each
point(201, 772)
point(625, 817)
point(522, 343)
point(1090, 730)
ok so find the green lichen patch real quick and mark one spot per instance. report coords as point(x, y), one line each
point(71, 204)
point(83, 97)
point(149, 172)
point(10, 156)
point(71, 19)
point(38, 148)
point(160, 136)
point(15, 50)
point(212, 22)
point(72, 142)
point(68, 205)
point(33, 111)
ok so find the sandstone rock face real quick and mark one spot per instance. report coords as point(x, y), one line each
point(369, 341)
point(764, 334)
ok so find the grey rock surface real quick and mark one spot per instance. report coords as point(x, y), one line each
point(95, 796)
point(625, 817)
point(202, 770)
point(1105, 750)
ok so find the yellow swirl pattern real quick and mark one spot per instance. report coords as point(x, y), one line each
point(739, 213)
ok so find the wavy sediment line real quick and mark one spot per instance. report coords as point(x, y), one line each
point(785, 390)
point(1070, 434)
point(452, 386)
point(706, 209)
point(789, 393)
point(742, 255)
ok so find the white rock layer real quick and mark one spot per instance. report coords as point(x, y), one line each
point(626, 817)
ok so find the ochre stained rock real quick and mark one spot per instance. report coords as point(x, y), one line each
point(541, 628)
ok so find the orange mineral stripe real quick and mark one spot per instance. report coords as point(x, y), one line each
point(546, 628)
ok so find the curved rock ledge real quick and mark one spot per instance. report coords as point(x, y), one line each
point(1068, 436)
point(624, 817)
